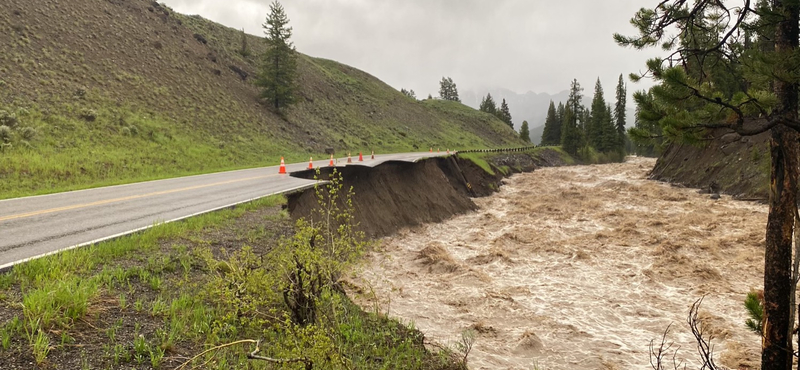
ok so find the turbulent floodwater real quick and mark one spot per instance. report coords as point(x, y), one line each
point(578, 267)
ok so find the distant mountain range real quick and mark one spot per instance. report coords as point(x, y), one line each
point(531, 106)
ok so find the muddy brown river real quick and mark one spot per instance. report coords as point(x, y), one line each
point(577, 268)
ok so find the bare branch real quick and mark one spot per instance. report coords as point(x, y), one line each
point(254, 356)
point(183, 365)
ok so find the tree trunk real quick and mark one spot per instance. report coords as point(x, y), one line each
point(777, 352)
point(776, 343)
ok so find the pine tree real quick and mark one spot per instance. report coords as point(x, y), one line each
point(409, 93)
point(560, 117)
point(573, 126)
point(608, 132)
point(524, 132)
point(594, 128)
point(570, 133)
point(619, 113)
point(552, 126)
point(488, 105)
point(279, 63)
point(711, 81)
point(505, 114)
point(575, 104)
point(448, 90)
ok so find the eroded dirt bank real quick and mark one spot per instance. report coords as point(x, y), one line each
point(577, 267)
point(738, 165)
point(396, 195)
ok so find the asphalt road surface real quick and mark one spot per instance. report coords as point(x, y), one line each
point(33, 227)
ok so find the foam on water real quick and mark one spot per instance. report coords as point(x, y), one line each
point(578, 267)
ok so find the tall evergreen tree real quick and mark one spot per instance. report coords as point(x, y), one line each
point(525, 132)
point(573, 127)
point(619, 112)
point(552, 126)
point(279, 64)
point(488, 105)
point(571, 137)
point(560, 117)
point(594, 128)
point(711, 81)
point(448, 90)
point(575, 103)
point(505, 114)
point(608, 132)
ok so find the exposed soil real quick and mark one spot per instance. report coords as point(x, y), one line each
point(578, 267)
point(738, 165)
point(397, 195)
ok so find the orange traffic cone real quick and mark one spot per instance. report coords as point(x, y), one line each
point(349, 160)
point(360, 157)
point(331, 164)
point(431, 149)
point(282, 170)
point(373, 154)
point(310, 164)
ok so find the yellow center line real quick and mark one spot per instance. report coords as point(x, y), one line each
point(107, 201)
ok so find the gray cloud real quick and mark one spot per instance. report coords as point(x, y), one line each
point(520, 45)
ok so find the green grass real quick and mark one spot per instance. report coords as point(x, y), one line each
point(179, 110)
point(191, 296)
point(480, 160)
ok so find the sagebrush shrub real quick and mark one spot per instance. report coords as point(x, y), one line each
point(88, 115)
point(8, 119)
point(5, 133)
point(28, 133)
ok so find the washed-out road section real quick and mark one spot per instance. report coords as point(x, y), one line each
point(36, 226)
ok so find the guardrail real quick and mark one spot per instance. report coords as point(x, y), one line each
point(522, 149)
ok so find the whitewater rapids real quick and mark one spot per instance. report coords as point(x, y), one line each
point(577, 268)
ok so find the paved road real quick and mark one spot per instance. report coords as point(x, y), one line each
point(35, 226)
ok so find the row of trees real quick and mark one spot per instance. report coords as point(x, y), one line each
point(448, 91)
point(574, 127)
point(503, 113)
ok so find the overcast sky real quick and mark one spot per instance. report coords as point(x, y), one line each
point(520, 45)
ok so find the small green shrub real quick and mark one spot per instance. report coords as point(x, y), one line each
point(322, 248)
point(5, 133)
point(88, 115)
point(28, 133)
point(8, 119)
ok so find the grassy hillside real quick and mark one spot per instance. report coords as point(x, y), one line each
point(96, 92)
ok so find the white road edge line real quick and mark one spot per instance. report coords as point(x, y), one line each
point(180, 177)
point(9, 265)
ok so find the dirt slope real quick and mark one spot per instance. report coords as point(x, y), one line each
point(738, 165)
point(128, 78)
point(399, 195)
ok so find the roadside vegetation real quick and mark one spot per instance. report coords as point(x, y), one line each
point(181, 98)
point(236, 289)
